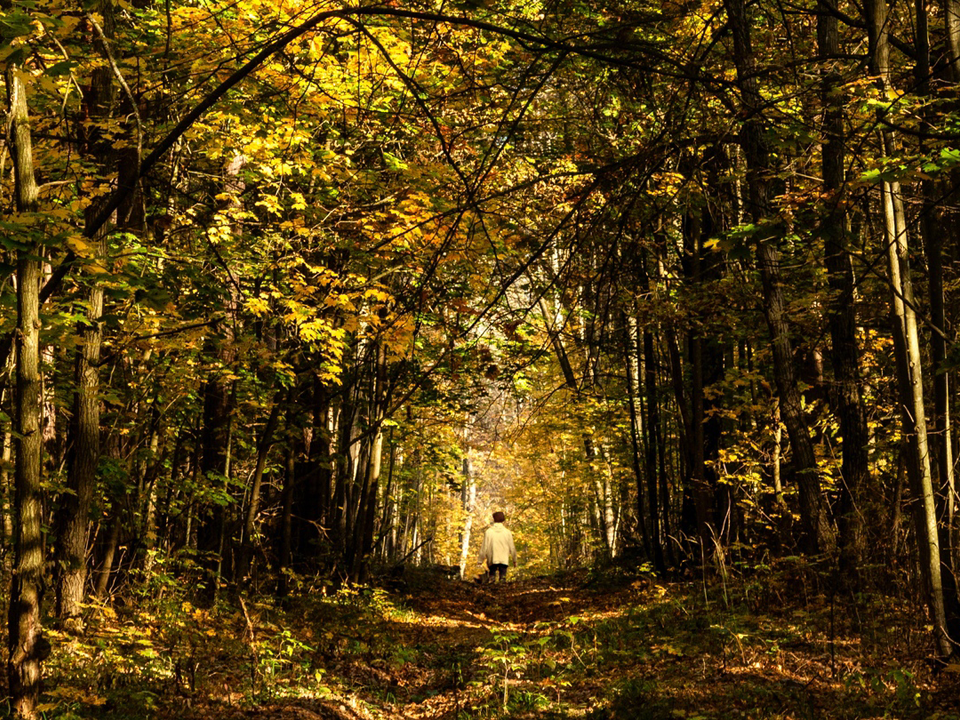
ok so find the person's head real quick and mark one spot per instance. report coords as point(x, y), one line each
point(499, 516)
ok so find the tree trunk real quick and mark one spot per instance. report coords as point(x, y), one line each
point(263, 450)
point(645, 518)
point(340, 526)
point(468, 499)
point(6, 491)
point(148, 496)
point(367, 507)
point(654, 450)
point(913, 412)
point(73, 516)
point(845, 352)
point(284, 555)
point(817, 532)
point(109, 553)
point(931, 234)
point(907, 346)
point(703, 492)
point(76, 503)
point(25, 641)
point(951, 12)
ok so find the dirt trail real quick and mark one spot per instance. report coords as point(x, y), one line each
point(463, 619)
point(566, 648)
point(439, 670)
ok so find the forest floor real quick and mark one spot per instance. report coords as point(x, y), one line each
point(579, 645)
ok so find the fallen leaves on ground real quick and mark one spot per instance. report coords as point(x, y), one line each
point(578, 645)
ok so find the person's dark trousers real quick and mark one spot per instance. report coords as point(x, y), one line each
point(498, 569)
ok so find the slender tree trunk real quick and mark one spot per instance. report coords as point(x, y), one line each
point(73, 515)
point(286, 523)
point(321, 455)
point(931, 224)
point(313, 508)
point(364, 529)
point(341, 526)
point(703, 495)
point(190, 526)
point(684, 435)
point(219, 392)
point(845, 352)
point(213, 457)
point(263, 450)
point(818, 533)
point(907, 347)
point(468, 499)
point(913, 412)
point(932, 235)
point(224, 561)
point(109, 554)
point(654, 451)
point(6, 491)
point(391, 509)
point(951, 12)
point(632, 368)
point(148, 501)
point(25, 641)
point(75, 505)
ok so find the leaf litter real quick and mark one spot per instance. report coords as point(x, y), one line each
point(578, 645)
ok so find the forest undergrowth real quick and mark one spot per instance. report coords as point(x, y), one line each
point(596, 645)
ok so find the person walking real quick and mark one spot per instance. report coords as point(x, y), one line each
point(498, 549)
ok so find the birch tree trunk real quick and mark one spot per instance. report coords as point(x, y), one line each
point(907, 346)
point(468, 500)
point(654, 448)
point(951, 12)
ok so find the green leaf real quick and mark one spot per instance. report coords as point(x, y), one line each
point(64, 67)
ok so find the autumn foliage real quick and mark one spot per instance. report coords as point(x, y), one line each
point(297, 294)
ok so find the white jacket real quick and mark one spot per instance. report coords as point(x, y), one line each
point(498, 548)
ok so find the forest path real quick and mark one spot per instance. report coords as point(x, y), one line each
point(483, 631)
point(580, 647)
point(442, 654)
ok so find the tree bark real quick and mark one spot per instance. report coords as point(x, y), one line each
point(468, 499)
point(646, 518)
point(284, 556)
point(76, 503)
point(845, 352)
point(654, 449)
point(703, 491)
point(817, 531)
point(263, 450)
point(951, 12)
point(109, 553)
point(25, 641)
point(907, 345)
